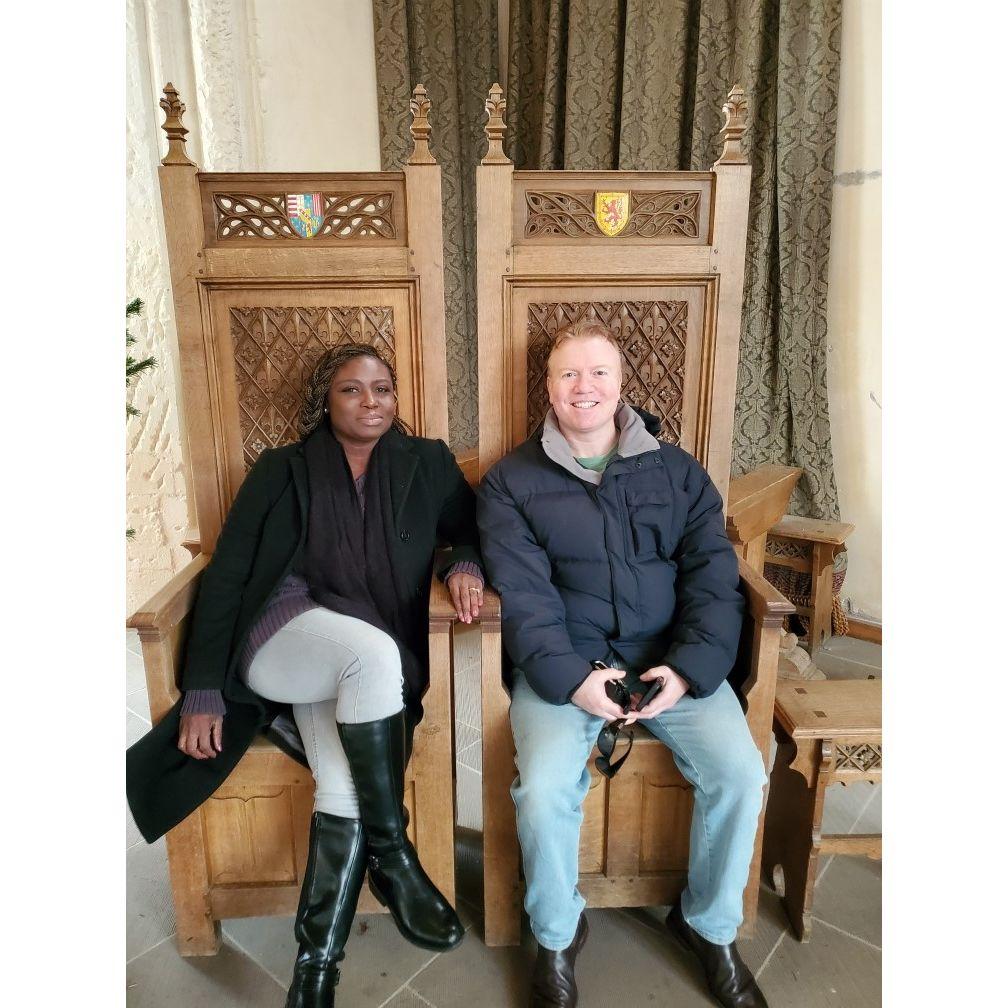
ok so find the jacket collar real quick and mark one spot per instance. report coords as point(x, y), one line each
point(633, 440)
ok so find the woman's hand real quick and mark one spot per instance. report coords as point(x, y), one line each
point(200, 735)
point(467, 595)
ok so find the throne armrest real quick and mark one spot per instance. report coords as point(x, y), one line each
point(766, 610)
point(816, 530)
point(442, 610)
point(161, 622)
point(757, 500)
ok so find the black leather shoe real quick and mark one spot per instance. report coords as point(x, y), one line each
point(728, 978)
point(376, 753)
point(553, 984)
point(333, 878)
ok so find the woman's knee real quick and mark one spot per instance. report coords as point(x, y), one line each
point(379, 659)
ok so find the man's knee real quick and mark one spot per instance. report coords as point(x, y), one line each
point(739, 772)
point(540, 797)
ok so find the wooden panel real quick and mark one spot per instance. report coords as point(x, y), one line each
point(665, 208)
point(250, 835)
point(266, 342)
point(252, 209)
point(634, 890)
point(663, 331)
point(304, 264)
point(666, 813)
point(655, 262)
point(591, 848)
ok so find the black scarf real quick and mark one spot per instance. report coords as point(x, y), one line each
point(348, 555)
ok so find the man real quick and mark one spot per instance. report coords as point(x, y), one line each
point(606, 545)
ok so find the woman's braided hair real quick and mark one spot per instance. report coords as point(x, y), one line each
point(320, 380)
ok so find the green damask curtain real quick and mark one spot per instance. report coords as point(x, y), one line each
point(638, 85)
point(449, 46)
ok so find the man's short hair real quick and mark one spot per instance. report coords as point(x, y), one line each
point(585, 329)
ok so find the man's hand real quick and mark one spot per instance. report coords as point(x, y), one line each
point(200, 735)
point(467, 595)
point(591, 695)
point(667, 697)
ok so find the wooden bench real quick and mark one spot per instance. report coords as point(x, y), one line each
point(827, 732)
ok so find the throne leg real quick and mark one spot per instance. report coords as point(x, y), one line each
point(196, 931)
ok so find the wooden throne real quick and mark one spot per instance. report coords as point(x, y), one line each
point(659, 258)
point(269, 270)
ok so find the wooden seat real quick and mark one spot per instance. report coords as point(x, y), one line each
point(668, 282)
point(809, 546)
point(827, 732)
point(259, 295)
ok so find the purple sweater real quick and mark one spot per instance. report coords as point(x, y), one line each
point(291, 598)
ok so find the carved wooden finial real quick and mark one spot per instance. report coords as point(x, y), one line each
point(495, 127)
point(736, 111)
point(172, 125)
point(420, 128)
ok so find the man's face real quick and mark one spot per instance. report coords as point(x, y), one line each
point(583, 382)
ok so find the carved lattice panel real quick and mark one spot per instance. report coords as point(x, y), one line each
point(652, 336)
point(344, 215)
point(275, 350)
point(663, 214)
point(861, 758)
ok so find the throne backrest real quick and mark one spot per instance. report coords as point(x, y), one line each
point(656, 256)
point(269, 270)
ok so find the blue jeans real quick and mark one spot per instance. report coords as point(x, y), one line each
point(714, 750)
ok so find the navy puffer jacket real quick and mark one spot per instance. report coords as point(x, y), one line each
point(634, 560)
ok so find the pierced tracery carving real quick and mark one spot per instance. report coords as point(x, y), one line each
point(275, 350)
point(262, 215)
point(652, 335)
point(858, 757)
point(652, 214)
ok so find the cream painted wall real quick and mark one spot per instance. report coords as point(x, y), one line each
point(264, 91)
point(854, 309)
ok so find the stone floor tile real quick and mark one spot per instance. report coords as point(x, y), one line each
point(472, 756)
point(133, 836)
point(870, 820)
point(468, 797)
point(467, 675)
point(378, 959)
point(132, 641)
point(150, 913)
point(163, 979)
point(626, 962)
point(771, 921)
point(849, 658)
point(830, 971)
point(843, 805)
point(849, 896)
point(408, 998)
point(138, 703)
point(473, 974)
point(135, 678)
point(135, 728)
point(465, 736)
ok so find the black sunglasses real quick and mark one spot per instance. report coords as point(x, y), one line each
point(617, 691)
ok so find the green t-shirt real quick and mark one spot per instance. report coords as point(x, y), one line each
point(598, 462)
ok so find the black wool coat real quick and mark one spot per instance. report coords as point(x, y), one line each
point(263, 535)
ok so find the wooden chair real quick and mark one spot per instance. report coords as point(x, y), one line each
point(268, 271)
point(664, 270)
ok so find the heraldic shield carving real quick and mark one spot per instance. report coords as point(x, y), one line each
point(612, 211)
point(304, 211)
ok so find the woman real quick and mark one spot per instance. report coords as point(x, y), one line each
point(316, 597)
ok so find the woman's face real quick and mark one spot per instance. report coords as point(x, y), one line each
point(361, 400)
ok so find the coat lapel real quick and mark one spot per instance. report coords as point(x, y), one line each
point(299, 472)
point(402, 466)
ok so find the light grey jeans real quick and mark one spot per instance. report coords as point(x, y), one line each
point(333, 670)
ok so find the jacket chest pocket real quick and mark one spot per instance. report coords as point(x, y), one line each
point(650, 518)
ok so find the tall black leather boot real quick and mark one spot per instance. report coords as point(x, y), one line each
point(333, 878)
point(376, 753)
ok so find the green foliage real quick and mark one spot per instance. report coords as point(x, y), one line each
point(134, 367)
